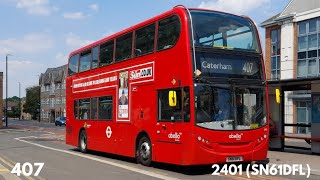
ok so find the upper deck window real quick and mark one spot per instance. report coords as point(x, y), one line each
point(95, 57)
point(85, 61)
point(144, 40)
point(73, 64)
point(219, 30)
point(168, 32)
point(124, 47)
point(106, 53)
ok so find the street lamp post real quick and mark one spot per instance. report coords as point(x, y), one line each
point(39, 102)
point(7, 89)
point(39, 96)
point(19, 101)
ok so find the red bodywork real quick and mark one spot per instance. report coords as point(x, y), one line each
point(189, 144)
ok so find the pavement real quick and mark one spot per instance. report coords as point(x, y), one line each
point(276, 157)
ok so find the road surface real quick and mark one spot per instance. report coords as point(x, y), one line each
point(35, 142)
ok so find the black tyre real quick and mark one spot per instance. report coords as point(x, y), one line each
point(83, 146)
point(144, 151)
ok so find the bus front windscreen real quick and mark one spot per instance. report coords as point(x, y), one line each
point(225, 106)
point(224, 31)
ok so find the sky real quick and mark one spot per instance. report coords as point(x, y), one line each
point(40, 34)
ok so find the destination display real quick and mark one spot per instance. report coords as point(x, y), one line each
point(228, 66)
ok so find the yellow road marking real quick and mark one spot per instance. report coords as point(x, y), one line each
point(29, 177)
point(11, 165)
point(6, 162)
point(4, 170)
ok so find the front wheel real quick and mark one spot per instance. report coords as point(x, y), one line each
point(83, 141)
point(144, 151)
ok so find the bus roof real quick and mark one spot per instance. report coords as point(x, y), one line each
point(129, 29)
point(142, 24)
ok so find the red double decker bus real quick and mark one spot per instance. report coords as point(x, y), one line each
point(186, 87)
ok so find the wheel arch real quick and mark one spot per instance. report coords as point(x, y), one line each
point(139, 136)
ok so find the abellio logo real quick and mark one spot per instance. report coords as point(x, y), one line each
point(175, 136)
point(235, 136)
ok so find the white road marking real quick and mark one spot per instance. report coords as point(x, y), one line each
point(144, 172)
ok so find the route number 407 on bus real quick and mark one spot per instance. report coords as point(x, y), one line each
point(186, 87)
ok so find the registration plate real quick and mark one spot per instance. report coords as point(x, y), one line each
point(234, 159)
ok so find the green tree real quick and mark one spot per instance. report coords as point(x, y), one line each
point(32, 101)
point(13, 99)
point(14, 112)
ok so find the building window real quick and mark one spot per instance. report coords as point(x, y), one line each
point(58, 86)
point(64, 84)
point(52, 102)
point(308, 48)
point(58, 100)
point(275, 54)
point(303, 116)
point(52, 88)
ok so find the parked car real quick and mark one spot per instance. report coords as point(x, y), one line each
point(60, 121)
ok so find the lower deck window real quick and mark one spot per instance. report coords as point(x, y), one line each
point(97, 108)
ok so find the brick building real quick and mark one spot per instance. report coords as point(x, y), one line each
point(52, 95)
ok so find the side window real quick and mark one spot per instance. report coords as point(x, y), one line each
point(76, 109)
point(85, 61)
point(186, 104)
point(106, 53)
point(124, 47)
point(168, 32)
point(144, 40)
point(73, 64)
point(177, 113)
point(94, 108)
point(84, 108)
point(95, 57)
point(105, 108)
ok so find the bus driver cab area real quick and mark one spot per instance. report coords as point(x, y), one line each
point(224, 109)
